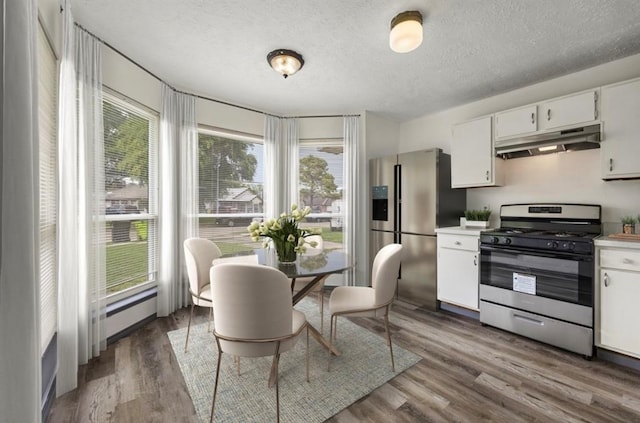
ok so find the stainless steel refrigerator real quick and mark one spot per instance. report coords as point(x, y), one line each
point(411, 196)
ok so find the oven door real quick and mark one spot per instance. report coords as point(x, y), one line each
point(556, 275)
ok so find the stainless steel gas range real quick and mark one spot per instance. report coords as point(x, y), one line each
point(537, 273)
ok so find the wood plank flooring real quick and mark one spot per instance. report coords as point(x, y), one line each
point(469, 373)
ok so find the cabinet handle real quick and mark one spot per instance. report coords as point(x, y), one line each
point(457, 243)
point(548, 114)
point(595, 104)
point(533, 117)
point(475, 260)
point(606, 280)
point(610, 165)
point(487, 175)
point(627, 261)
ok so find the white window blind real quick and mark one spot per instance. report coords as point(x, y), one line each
point(320, 183)
point(230, 183)
point(130, 150)
point(47, 126)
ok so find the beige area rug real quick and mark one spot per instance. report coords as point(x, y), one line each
point(363, 366)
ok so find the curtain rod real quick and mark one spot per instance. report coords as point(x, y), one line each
point(195, 95)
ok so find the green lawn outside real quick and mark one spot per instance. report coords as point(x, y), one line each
point(127, 261)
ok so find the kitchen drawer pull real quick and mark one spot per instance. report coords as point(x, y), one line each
point(528, 319)
point(548, 114)
point(606, 280)
point(627, 261)
point(458, 243)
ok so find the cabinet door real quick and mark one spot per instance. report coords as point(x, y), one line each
point(520, 121)
point(458, 277)
point(620, 148)
point(568, 111)
point(619, 312)
point(472, 154)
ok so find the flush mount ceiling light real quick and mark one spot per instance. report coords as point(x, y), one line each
point(406, 32)
point(285, 62)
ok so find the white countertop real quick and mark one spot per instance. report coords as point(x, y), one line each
point(605, 241)
point(462, 230)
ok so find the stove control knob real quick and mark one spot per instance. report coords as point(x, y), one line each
point(552, 244)
point(571, 245)
point(495, 240)
point(507, 241)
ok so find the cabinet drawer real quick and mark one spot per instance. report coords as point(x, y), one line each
point(620, 259)
point(459, 242)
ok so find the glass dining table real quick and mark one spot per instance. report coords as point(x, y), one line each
point(313, 266)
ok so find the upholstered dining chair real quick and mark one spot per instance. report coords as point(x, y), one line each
point(363, 301)
point(254, 316)
point(302, 282)
point(199, 254)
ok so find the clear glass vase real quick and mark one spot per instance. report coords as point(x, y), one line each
point(286, 252)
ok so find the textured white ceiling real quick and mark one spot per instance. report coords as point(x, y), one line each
point(472, 49)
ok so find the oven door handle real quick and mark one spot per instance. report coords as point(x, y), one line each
point(533, 252)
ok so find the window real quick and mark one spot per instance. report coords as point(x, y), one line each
point(130, 166)
point(320, 183)
point(48, 163)
point(230, 182)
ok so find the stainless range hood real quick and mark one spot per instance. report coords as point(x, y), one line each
point(582, 138)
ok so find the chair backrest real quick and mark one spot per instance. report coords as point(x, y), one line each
point(199, 254)
point(251, 301)
point(311, 251)
point(384, 273)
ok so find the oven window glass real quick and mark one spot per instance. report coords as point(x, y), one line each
point(560, 277)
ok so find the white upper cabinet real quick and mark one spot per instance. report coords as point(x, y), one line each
point(473, 163)
point(521, 121)
point(548, 116)
point(620, 147)
point(568, 111)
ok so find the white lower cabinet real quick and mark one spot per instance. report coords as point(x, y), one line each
point(458, 269)
point(618, 294)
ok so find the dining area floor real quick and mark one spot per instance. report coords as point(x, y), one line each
point(467, 373)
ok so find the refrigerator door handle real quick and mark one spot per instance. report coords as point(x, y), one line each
point(397, 201)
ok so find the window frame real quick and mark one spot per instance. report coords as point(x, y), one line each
point(120, 100)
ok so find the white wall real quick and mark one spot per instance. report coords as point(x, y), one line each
point(564, 177)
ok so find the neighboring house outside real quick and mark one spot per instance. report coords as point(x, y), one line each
point(131, 195)
point(237, 200)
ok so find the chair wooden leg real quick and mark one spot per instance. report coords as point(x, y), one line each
point(331, 326)
point(386, 328)
point(307, 352)
point(215, 386)
point(321, 301)
point(186, 342)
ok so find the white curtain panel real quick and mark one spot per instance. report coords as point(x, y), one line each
point(290, 159)
point(66, 378)
point(91, 193)
point(81, 232)
point(179, 181)
point(351, 181)
point(20, 386)
point(272, 154)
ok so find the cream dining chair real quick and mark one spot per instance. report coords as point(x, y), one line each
point(363, 301)
point(254, 316)
point(199, 254)
point(302, 282)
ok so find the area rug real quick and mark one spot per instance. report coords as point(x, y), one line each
point(363, 366)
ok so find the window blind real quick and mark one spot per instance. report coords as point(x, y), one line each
point(230, 187)
point(130, 150)
point(47, 126)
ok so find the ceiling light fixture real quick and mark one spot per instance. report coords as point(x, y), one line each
point(285, 62)
point(406, 32)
